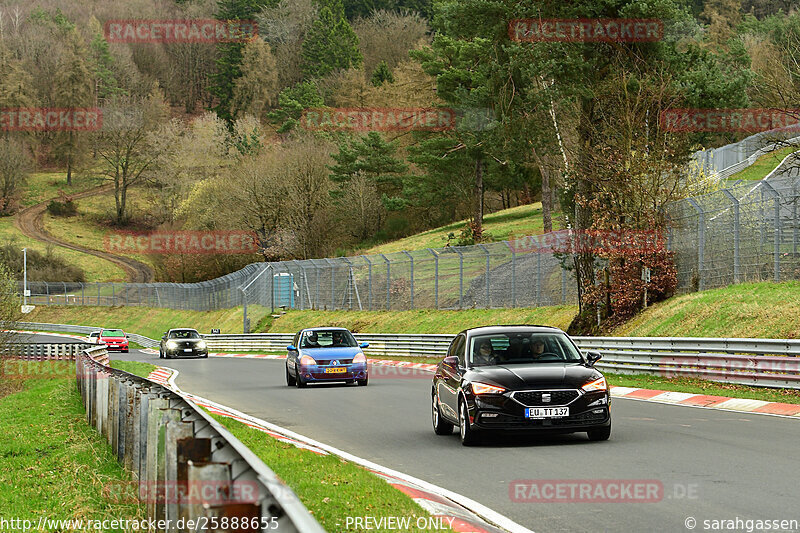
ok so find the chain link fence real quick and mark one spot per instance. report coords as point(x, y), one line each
point(746, 232)
point(725, 161)
point(494, 275)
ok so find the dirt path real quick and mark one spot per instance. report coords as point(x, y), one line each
point(30, 222)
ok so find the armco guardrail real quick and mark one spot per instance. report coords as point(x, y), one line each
point(188, 466)
point(44, 350)
point(760, 362)
point(141, 340)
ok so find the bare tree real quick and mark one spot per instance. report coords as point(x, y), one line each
point(126, 146)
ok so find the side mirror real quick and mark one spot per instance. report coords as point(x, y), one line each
point(451, 362)
point(127, 336)
point(364, 345)
point(592, 356)
point(292, 348)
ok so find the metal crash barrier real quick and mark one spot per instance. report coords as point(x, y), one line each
point(190, 471)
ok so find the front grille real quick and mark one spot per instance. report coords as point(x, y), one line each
point(326, 362)
point(557, 397)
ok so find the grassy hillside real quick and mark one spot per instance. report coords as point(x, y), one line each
point(765, 310)
point(763, 165)
point(500, 226)
point(150, 322)
point(422, 321)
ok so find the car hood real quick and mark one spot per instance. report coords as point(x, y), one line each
point(193, 341)
point(538, 375)
point(347, 352)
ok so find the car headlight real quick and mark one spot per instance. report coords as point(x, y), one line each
point(598, 384)
point(307, 360)
point(201, 345)
point(485, 388)
point(360, 358)
point(172, 345)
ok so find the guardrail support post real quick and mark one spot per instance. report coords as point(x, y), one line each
point(212, 474)
point(196, 450)
point(175, 431)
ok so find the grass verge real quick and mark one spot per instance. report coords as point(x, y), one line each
point(749, 310)
point(133, 367)
point(53, 464)
point(423, 320)
point(332, 489)
point(700, 386)
point(150, 322)
point(763, 165)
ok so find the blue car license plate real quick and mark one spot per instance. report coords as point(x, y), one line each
point(546, 412)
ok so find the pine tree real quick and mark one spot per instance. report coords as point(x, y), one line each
point(331, 44)
point(291, 103)
point(382, 74)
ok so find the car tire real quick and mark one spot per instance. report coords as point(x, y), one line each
point(466, 433)
point(600, 433)
point(290, 381)
point(363, 382)
point(298, 381)
point(440, 425)
point(160, 354)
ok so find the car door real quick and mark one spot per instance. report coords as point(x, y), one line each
point(291, 355)
point(450, 380)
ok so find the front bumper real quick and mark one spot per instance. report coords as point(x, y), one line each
point(181, 352)
point(501, 413)
point(118, 347)
point(317, 373)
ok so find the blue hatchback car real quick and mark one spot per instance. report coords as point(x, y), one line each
point(319, 355)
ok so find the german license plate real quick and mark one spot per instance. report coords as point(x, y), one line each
point(546, 412)
point(336, 370)
point(187, 349)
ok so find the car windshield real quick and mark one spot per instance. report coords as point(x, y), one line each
point(521, 348)
point(184, 334)
point(113, 333)
point(328, 339)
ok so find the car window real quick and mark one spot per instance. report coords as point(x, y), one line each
point(522, 348)
point(328, 339)
point(113, 333)
point(184, 334)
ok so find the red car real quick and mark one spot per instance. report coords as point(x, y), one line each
point(114, 339)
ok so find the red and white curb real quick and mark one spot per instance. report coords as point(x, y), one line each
point(724, 403)
point(460, 513)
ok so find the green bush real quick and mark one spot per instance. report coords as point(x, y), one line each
point(62, 209)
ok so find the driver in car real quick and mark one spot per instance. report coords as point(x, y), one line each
point(484, 355)
point(338, 339)
point(311, 340)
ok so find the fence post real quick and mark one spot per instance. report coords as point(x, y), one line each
point(513, 273)
point(735, 202)
point(333, 283)
point(460, 278)
point(369, 279)
point(435, 277)
point(487, 305)
point(701, 242)
point(412, 277)
point(388, 282)
point(244, 314)
point(776, 198)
